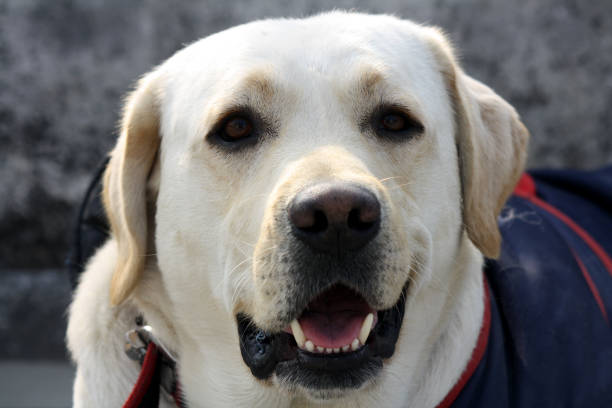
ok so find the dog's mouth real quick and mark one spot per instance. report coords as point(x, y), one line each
point(338, 320)
point(337, 342)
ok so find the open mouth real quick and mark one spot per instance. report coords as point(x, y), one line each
point(338, 320)
point(338, 341)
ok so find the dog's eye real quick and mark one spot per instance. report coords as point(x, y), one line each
point(395, 123)
point(236, 128)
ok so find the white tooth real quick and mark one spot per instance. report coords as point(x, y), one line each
point(355, 344)
point(365, 328)
point(298, 334)
point(320, 349)
point(309, 345)
point(346, 347)
point(328, 350)
point(337, 350)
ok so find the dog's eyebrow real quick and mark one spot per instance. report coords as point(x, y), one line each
point(375, 83)
point(258, 82)
point(254, 89)
point(369, 79)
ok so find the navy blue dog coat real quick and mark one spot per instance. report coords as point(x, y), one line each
point(546, 339)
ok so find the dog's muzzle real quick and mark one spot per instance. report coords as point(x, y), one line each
point(336, 338)
point(315, 366)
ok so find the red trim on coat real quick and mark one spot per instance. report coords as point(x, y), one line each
point(144, 378)
point(477, 353)
point(526, 186)
point(527, 189)
point(592, 286)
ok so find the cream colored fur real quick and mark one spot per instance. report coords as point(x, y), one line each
point(193, 226)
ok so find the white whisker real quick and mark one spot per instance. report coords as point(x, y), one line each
point(390, 178)
point(401, 185)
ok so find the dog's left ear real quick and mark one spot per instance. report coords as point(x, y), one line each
point(125, 184)
point(491, 145)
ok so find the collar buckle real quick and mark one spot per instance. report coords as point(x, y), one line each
point(137, 341)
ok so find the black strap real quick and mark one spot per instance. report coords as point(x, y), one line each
point(91, 227)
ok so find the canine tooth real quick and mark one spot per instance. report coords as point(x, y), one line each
point(355, 344)
point(337, 350)
point(309, 345)
point(346, 347)
point(328, 350)
point(365, 328)
point(298, 334)
point(320, 349)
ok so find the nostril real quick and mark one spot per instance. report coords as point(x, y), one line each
point(319, 223)
point(307, 218)
point(357, 221)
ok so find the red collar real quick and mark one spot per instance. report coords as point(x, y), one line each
point(158, 370)
point(477, 353)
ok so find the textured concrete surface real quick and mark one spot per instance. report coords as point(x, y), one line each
point(32, 314)
point(42, 384)
point(65, 64)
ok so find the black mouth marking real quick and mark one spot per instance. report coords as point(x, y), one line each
point(267, 353)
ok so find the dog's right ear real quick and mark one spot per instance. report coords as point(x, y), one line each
point(491, 146)
point(125, 183)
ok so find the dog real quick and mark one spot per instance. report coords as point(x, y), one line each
point(300, 213)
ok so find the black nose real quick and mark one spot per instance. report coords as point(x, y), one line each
point(335, 217)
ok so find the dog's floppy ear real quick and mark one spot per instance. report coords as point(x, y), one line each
point(125, 183)
point(492, 147)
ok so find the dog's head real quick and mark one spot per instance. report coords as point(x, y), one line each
point(307, 179)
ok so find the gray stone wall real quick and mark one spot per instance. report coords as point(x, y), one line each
point(65, 64)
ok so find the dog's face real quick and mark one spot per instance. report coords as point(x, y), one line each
point(309, 177)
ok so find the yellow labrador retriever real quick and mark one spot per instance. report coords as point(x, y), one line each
point(300, 210)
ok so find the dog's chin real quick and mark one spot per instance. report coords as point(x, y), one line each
point(343, 355)
point(320, 396)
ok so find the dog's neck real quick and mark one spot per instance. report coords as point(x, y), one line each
point(441, 327)
point(452, 309)
point(157, 312)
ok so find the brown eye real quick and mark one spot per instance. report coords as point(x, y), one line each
point(237, 128)
point(393, 122)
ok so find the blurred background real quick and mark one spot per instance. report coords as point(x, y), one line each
point(65, 64)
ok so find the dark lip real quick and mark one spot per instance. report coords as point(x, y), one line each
point(267, 353)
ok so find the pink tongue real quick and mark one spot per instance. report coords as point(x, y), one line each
point(334, 318)
point(332, 329)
